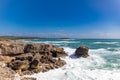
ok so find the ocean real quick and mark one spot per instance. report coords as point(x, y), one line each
point(102, 64)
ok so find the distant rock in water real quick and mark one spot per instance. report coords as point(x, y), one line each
point(82, 51)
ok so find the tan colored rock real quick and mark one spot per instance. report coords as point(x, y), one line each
point(8, 47)
point(38, 48)
point(2, 64)
point(6, 73)
point(19, 65)
point(5, 59)
point(31, 58)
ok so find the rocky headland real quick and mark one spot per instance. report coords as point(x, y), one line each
point(28, 58)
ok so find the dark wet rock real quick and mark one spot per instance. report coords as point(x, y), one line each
point(82, 51)
point(35, 64)
point(19, 65)
point(25, 56)
point(30, 63)
point(58, 52)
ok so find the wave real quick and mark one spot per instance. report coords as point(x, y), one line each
point(81, 68)
point(100, 65)
point(105, 42)
point(75, 74)
point(67, 39)
point(77, 69)
point(102, 51)
point(51, 42)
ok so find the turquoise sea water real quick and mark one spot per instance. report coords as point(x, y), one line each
point(104, 56)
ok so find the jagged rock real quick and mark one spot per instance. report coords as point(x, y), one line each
point(35, 64)
point(8, 47)
point(32, 57)
point(60, 63)
point(45, 49)
point(38, 48)
point(58, 52)
point(82, 51)
point(19, 65)
point(26, 56)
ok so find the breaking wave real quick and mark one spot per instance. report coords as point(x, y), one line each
point(105, 42)
point(91, 68)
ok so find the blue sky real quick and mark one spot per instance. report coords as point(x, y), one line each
point(60, 18)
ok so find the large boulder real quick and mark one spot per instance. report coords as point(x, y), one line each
point(82, 51)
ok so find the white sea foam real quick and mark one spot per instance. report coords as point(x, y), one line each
point(103, 51)
point(81, 68)
point(105, 42)
point(67, 39)
point(76, 74)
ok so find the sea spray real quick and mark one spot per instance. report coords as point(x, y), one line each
point(95, 67)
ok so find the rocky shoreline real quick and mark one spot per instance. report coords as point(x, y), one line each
point(29, 58)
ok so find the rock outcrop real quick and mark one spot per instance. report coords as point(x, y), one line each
point(16, 48)
point(34, 62)
point(45, 48)
point(28, 58)
point(82, 51)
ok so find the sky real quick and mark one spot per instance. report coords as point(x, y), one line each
point(60, 18)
